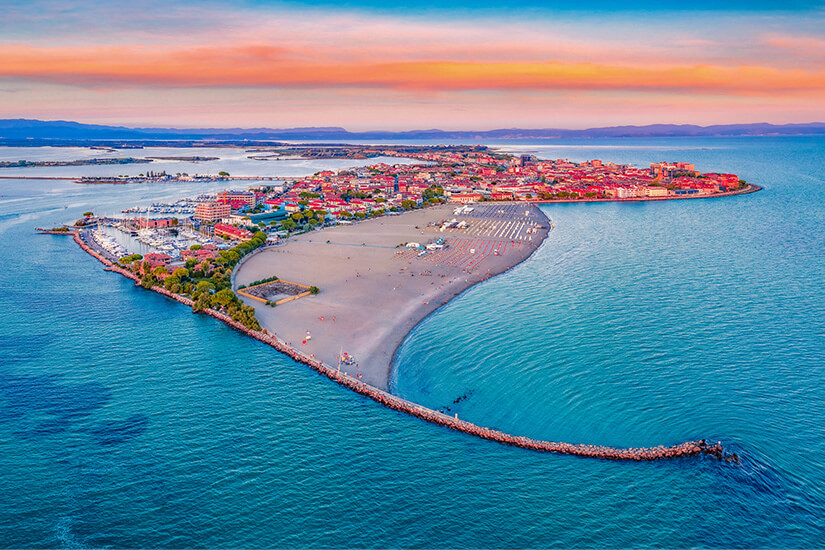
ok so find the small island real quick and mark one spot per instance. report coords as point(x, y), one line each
point(81, 162)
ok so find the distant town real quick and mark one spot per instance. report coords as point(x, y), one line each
point(458, 174)
point(461, 177)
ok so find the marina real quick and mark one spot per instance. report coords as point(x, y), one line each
point(125, 239)
point(184, 206)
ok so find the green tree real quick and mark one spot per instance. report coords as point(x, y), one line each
point(148, 281)
point(204, 287)
point(231, 255)
point(203, 301)
point(224, 297)
point(171, 281)
point(130, 259)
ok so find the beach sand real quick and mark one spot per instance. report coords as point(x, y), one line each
point(373, 292)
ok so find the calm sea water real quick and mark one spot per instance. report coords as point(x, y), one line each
point(127, 421)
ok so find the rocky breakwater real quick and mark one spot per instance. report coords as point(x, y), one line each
point(687, 449)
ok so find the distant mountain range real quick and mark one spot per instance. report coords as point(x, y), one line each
point(26, 129)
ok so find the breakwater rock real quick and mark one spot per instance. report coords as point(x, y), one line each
point(687, 449)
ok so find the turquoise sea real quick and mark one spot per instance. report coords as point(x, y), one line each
point(127, 421)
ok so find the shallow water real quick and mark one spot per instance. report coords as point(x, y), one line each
point(127, 421)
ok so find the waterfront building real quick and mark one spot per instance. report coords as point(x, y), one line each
point(237, 233)
point(653, 192)
point(156, 260)
point(155, 223)
point(464, 198)
point(238, 197)
point(212, 211)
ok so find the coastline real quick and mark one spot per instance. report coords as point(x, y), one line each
point(748, 189)
point(374, 290)
point(682, 450)
point(491, 274)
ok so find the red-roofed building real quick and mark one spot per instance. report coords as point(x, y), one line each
point(232, 232)
point(245, 197)
point(157, 260)
point(160, 258)
point(200, 254)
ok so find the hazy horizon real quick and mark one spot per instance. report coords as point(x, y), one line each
point(369, 65)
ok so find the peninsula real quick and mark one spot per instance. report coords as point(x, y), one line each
point(352, 260)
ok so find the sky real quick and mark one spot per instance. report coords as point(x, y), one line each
point(396, 65)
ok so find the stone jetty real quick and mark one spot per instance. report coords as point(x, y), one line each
point(687, 449)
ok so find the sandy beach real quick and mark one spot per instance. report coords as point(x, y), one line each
point(374, 289)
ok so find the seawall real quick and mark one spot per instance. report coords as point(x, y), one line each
point(687, 449)
point(748, 189)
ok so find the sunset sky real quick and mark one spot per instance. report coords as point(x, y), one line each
point(374, 64)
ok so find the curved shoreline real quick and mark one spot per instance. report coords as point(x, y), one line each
point(750, 188)
point(492, 274)
point(378, 292)
point(686, 449)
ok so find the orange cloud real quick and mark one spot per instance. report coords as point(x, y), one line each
point(252, 65)
point(809, 45)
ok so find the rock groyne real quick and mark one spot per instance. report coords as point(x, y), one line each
point(687, 449)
